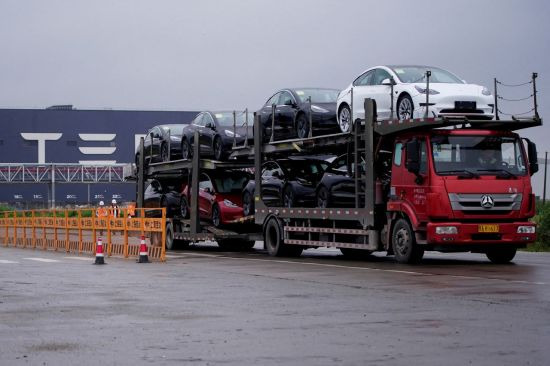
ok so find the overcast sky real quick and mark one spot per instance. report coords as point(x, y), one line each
point(201, 54)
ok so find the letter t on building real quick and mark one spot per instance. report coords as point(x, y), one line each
point(41, 138)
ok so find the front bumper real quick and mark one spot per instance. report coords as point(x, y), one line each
point(469, 234)
point(444, 106)
point(229, 214)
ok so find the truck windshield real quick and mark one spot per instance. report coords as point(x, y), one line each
point(478, 155)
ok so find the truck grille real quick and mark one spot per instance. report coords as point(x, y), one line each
point(472, 202)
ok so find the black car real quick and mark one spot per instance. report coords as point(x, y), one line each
point(162, 143)
point(286, 182)
point(217, 133)
point(166, 194)
point(292, 111)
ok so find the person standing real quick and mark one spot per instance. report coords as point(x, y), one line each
point(101, 213)
point(115, 210)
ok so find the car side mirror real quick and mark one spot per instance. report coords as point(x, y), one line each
point(532, 156)
point(388, 81)
point(290, 103)
point(413, 156)
point(211, 126)
point(276, 174)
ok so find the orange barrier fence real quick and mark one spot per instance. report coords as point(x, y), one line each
point(77, 231)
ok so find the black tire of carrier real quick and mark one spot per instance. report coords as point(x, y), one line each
point(184, 208)
point(404, 244)
point(273, 240)
point(501, 255)
point(171, 243)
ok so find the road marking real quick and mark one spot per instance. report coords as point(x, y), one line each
point(5, 261)
point(81, 258)
point(45, 260)
point(368, 269)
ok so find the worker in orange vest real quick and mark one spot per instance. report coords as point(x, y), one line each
point(101, 213)
point(131, 209)
point(114, 210)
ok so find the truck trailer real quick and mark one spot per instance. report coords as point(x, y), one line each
point(429, 184)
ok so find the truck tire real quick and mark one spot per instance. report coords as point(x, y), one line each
point(273, 240)
point(501, 255)
point(171, 243)
point(404, 244)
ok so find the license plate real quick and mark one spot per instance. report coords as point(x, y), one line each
point(465, 105)
point(487, 228)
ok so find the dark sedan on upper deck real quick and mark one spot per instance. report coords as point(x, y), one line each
point(162, 143)
point(292, 111)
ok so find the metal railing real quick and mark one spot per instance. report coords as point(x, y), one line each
point(61, 173)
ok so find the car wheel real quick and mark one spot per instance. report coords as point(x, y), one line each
point(216, 216)
point(164, 152)
point(501, 255)
point(218, 148)
point(288, 197)
point(344, 119)
point(186, 149)
point(323, 197)
point(184, 208)
point(405, 107)
point(302, 126)
point(404, 244)
point(248, 204)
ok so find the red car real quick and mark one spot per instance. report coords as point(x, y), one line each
point(219, 197)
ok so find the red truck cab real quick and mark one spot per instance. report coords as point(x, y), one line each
point(462, 189)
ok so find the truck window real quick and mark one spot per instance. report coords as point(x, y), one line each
point(397, 154)
point(423, 157)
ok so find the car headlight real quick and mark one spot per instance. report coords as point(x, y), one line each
point(228, 203)
point(316, 108)
point(230, 133)
point(526, 230)
point(485, 91)
point(445, 230)
point(423, 90)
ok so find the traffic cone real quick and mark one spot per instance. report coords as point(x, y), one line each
point(99, 258)
point(143, 252)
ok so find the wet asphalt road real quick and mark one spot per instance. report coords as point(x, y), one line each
point(206, 307)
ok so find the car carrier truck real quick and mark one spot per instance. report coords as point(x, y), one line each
point(448, 185)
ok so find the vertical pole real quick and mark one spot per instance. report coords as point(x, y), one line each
point(55, 229)
point(15, 228)
point(351, 110)
point(246, 124)
point(356, 151)
point(272, 138)
point(195, 164)
point(369, 162)
point(163, 241)
point(6, 230)
point(53, 186)
point(24, 230)
point(126, 221)
point(496, 99)
point(169, 145)
point(67, 248)
point(141, 175)
point(258, 143)
point(44, 236)
point(33, 230)
point(535, 94)
point(310, 134)
point(234, 129)
point(545, 170)
point(428, 74)
point(80, 244)
point(392, 82)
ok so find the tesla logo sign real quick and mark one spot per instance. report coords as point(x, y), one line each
point(487, 201)
point(41, 139)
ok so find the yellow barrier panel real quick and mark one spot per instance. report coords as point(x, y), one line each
point(77, 231)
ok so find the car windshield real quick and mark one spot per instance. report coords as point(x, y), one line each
point(317, 95)
point(417, 74)
point(233, 183)
point(174, 129)
point(478, 155)
point(225, 119)
point(304, 168)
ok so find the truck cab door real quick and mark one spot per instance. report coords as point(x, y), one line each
point(414, 187)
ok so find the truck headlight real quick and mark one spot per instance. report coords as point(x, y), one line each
point(445, 230)
point(526, 229)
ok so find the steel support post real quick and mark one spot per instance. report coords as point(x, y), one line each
point(496, 99)
point(195, 164)
point(428, 74)
point(141, 174)
point(536, 107)
point(257, 166)
point(370, 178)
point(545, 171)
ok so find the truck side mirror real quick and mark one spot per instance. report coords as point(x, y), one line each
point(413, 156)
point(532, 156)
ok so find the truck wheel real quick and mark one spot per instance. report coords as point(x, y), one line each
point(352, 253)
point(404, 244)
point(171, 243)
point(273, 239)
point(501, 255)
